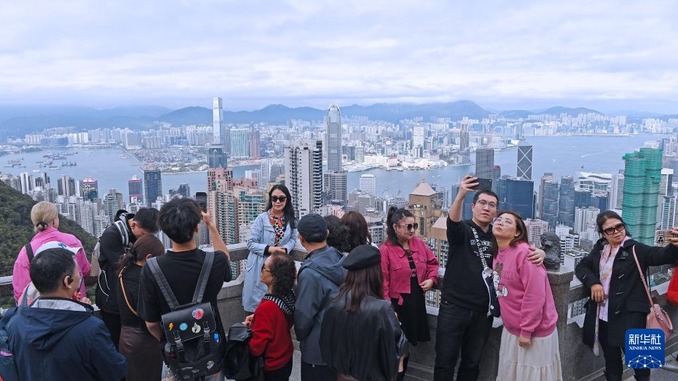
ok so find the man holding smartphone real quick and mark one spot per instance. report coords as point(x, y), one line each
point(463, 320)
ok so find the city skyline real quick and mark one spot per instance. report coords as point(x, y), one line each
point(502, 55)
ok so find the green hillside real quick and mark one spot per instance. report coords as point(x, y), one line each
point(16, 228)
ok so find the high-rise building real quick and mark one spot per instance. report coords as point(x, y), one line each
point(336, 184)
point(566, 201)
point(218, 122)
point(66, 186)
point(112, 202)
point(535, 229)
point(368, 184)
point(464, 138)
point(485, 163)
point(240, 143)
point(136, 189)
point(524, 163)
point(184, 190)
point(549, 209)
point(152, 184)
point(517, 195)
point(304, 176)
point(584, 219)
point(216, 158)
point(334, 139)
point(617, 191)
point(425, 205)
point(89, 190)
point(255, 138)
point(642, 176)
point(667, 212)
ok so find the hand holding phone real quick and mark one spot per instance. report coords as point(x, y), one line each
point(483, 184)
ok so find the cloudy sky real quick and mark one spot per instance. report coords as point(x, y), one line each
point(500, 54)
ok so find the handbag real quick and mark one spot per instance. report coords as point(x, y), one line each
point(489, 277)
point(657, 318)
point(238, 363)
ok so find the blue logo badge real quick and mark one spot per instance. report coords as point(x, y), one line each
point(645, 348)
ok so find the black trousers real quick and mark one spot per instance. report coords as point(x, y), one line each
point(613, 357)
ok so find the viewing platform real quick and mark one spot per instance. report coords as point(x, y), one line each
point(578, 362)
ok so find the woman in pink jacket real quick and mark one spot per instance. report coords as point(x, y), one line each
point(410, 270)
point(529, 341)
point(45, 219)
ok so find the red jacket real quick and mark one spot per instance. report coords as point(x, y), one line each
point(271, 335)
point(396, 269)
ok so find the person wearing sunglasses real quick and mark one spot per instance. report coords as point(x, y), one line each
point(618, 298)
point(272, 232)
point(410, 270)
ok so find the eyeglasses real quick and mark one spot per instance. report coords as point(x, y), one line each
point(278, 198)
point(616, 228)
point(410, 227)
point(484, 203)
point(503, 221)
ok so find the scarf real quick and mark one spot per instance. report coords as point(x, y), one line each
point(284, 302)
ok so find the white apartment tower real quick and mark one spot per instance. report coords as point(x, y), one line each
point(368, 184)
point(304, 176)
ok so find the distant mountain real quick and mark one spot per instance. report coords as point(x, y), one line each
point(569, 111)
point(516, 114)
point(395, 112)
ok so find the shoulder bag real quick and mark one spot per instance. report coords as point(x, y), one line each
point(657, 318)
point(488, 276)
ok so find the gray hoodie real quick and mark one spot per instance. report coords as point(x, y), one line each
point(319, 277)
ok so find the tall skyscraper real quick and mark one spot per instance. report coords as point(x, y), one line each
point(566, 201)
point(89, 189)
point(642, 176)
point(304, 176)
point(216, 158)
point(517, 195)
point(112, 203)
point(336, 184)
point(617, 191)
point(255, 138)
point(368, 184)
point(136, 190)
point(218, 122)
point(334, 139)
point(152, 184)
point(524, 163)
point(549, 209)
point(464, 138)
point(66, 186)
point(485, 163)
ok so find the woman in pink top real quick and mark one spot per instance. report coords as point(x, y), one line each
point(410, 270)
point(529, 341)
point(45, 219)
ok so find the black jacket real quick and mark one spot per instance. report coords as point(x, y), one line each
point(628, 304)
point(111, 249)
point(367, 344)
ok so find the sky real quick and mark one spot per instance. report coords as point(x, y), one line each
point(501, 54)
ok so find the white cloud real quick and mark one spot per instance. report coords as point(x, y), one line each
point(173, 53)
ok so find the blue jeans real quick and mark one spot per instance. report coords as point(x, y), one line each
point(459, 329)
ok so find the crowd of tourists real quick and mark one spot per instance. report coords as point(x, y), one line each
point(357, 308)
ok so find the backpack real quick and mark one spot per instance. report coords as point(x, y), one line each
point(194, 348)
point(101, 271)
point(239, 364)
point(8, 371)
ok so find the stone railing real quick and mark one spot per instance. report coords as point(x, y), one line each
point(578, 361)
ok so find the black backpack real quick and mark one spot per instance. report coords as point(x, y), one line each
point(239, 364)
point(194, 348)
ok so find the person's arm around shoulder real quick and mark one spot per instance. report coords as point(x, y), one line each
point(255, 243)
point(310, 296)
point(106, 360)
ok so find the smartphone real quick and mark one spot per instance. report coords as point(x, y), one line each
point(483, 184)
point(201, 198)
point(661, 235)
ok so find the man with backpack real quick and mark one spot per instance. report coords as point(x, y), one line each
point(56, 337)
point(181, 270)
point(115, 239)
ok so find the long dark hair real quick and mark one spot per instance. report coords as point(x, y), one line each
point(284, 272)
point(338, 233)
point(144, 245)
point(394, 216)
point(288, 210)
point(360, 283)
point(358, 233)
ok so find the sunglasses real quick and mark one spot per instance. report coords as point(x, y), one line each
point(616, 228)
point(278, 198)
point(411, 227)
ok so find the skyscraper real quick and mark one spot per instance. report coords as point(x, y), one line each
point(524, 163)
point(642, 175)
point(464, 138)
point(549, 209)
point(112, 203)
point(136, 189)
point(617, 191)
point(368, 184)
point(218, 122)
point(216, 157)
point(485, 163)
point(336, 184)
point(152, 184)
point(89, 189)
point(255, 137)
point(566, 201)
point(516, 195)
point(334, 139)
point(304, 176)
point(240, 143)
point(66, 186)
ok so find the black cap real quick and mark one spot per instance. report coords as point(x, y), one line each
point(361, 257)
point(312, 227)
